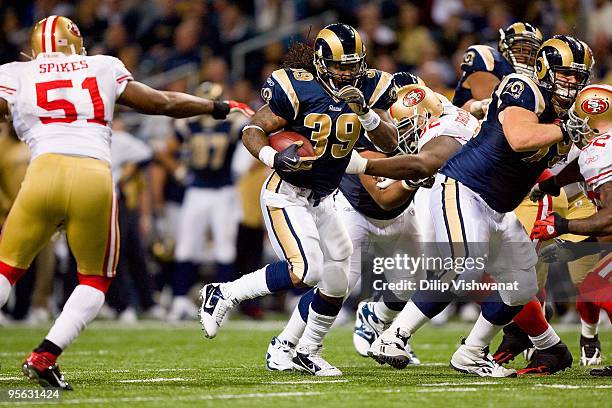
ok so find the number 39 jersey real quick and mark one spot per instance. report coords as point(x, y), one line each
point(64, 103)
point(595, 163)
point(332, 127)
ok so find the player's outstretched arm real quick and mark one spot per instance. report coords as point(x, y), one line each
point(387, 198)
point(524, 132)
point(600, 223)
point(415, 166)
point(385, 135)
point(145, 99)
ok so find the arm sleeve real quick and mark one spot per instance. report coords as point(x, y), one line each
point(478, 58)
point(519, 91)
point(276, 94)
point(9, 84)
point(121, 74)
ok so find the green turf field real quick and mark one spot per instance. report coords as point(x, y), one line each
point(154, 364)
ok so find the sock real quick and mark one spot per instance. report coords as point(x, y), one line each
point(81, 308)
point(269, 279)
point(5, 289)
point(588, 311)
point(321, 316)
point(411, 318)
point(589, 330)
point(382, 311)
point(482, 333)
point(494, 310)
point(531, 319)
point(47, 346)
point(294, 328)
point(545, 340)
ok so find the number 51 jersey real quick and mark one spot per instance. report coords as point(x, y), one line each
point(64, 103)
point(332, 127)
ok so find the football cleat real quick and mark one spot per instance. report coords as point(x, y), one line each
point(514, 342)
point(309, 359)
point(42, 368)
point(213, 309)
point(477, 360)
point(392, 349)
point(279, 356)
point(368, 327)
point(549, 361)
point(590, 351)
point(602, 372)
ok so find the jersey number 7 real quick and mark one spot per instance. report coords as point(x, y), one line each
point(70, 113)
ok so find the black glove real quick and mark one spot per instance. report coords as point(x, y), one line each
point(566, 251)
point(548, 186)
point(426, 182)
point(289, 160)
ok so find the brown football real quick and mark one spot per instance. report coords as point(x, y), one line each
point(281, 140)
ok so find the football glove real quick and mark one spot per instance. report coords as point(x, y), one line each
point(542, 188)
point(222, 109)
point(565, 251)
point(550, 227)
point(240, 108)
point(384, 182)
point(426, 182)
point(354, 98)
point(289, 160)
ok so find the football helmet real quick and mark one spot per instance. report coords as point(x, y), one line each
point(415, 106)
point(563, 66)
point(56, 34)
point(591, 114)
point(403, 78)
point(339, 57)
point(519, 44)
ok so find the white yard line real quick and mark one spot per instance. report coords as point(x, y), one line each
point(570, 386)
point(452, 384)
point(155, 380)
point(457, 389)
point(307, 382)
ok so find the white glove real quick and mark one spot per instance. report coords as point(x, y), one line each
point(385, 182)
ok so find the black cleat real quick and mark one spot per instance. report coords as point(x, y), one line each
point(590, 351)
point(514, 342)
point(602, 372)
point(549, 361)
point(45, 372)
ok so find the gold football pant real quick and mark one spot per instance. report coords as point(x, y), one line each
point(576, 207)
point(60, 191)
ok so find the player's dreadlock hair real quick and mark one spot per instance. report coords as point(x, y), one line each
point(300, 56)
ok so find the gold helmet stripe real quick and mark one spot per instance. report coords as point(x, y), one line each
point(358, 42)
point(567, 56)
point(519, 28)
point(588, 56)
point(334, 43)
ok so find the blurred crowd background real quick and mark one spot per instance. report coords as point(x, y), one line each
point(178, 44)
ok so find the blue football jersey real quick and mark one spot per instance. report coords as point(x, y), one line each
point(331, 126)
point(358, 196)
point(488, 165)
point(480, 58)
point(209, 149)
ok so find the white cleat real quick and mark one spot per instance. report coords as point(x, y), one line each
point(214, 308)
point(308, 359)
point(477, 360)
point(368, 327)
point(392, 348)
point(279, 356)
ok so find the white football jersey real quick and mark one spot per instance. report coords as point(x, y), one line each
point(64, 103)
point(595, 163)
point(455, 122)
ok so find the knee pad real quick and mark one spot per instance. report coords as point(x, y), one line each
point(334, 281)
point(310, 269)
point(101, 283)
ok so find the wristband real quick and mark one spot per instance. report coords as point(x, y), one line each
point(253, 127)
point(369, 120)
point(357, 164)
point(220, 110)
point(266, 155)
point(562, 225)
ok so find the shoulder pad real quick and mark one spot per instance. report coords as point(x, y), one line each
point(379, 89)
point(279, 93)
point(520, 90)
